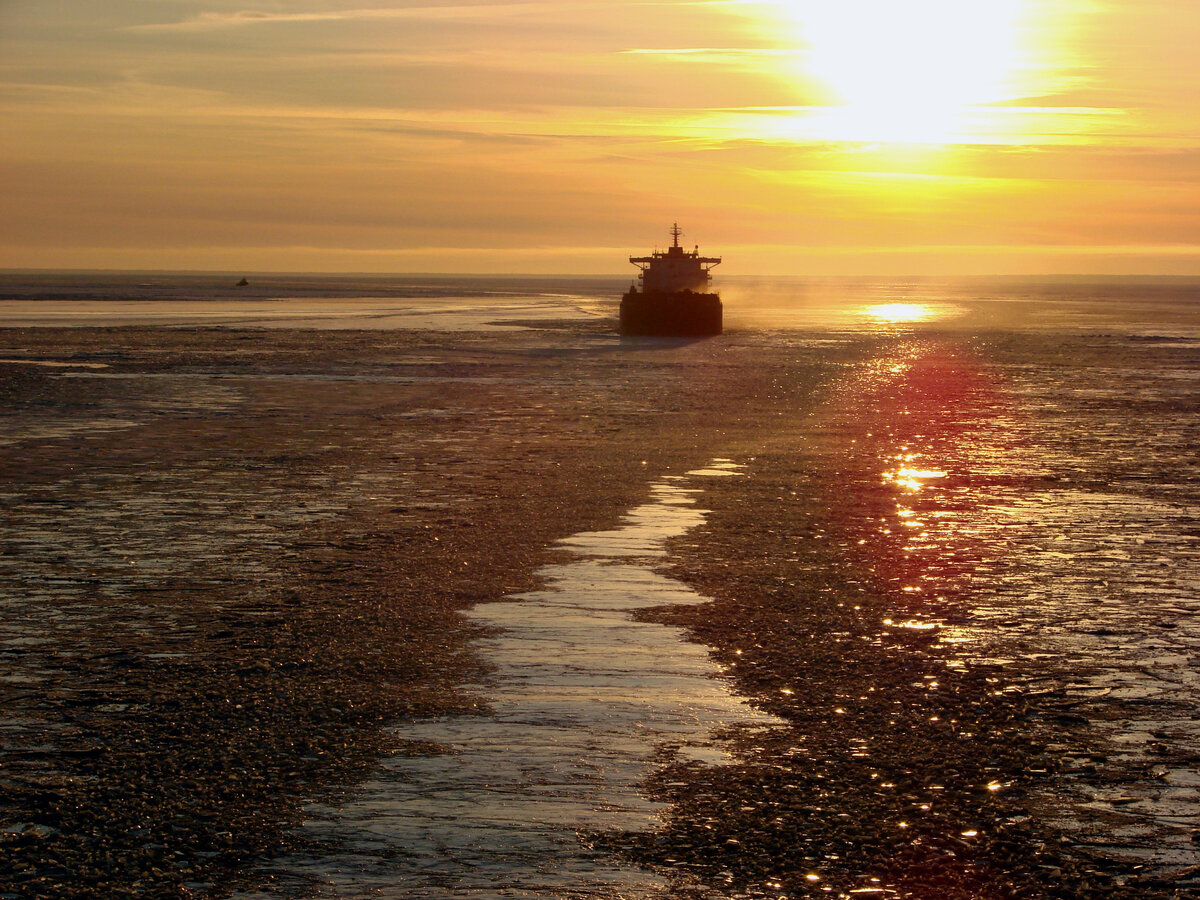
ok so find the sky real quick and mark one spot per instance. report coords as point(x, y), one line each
point(804, 137)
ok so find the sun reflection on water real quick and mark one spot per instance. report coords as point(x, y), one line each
point(910, 478)
point(898, 312)
point(906, 312)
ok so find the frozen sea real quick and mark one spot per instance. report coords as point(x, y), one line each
point(1058, 518)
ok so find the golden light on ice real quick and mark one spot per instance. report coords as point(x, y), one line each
point(916, 71)
point(909, 477)
point(899, 313)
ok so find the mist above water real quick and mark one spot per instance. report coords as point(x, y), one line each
point(889, 305)
point(1155, 307)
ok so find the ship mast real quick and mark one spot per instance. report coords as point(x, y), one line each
point(675, 233)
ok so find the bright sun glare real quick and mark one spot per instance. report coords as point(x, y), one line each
point(899, 313)
point(908, 70)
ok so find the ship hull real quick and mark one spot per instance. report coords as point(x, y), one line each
point(670, 314)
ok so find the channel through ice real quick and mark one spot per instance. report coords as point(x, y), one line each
point(585, 703)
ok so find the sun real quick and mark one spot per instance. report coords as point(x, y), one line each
point(908, 70)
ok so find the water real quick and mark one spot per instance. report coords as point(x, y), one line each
point(472, 304)
point(585, 704)
point(1036, 444)
point(1151, 308)
point(1041, 511)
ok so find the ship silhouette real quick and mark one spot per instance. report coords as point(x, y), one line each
point(673, 300)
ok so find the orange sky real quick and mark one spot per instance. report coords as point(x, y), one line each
point(789, 136)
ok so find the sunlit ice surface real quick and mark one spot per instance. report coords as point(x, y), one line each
point(585, 703)
point(923, 72)
point(850, 305)
point(912, 478)
point(900, 306)
point(900, 312)
point(1032, 512)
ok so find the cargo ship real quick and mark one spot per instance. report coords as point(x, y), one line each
point(673, 299)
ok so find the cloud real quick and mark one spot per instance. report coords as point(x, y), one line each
point(213, 21)
point(705, 54)
point(750, 58)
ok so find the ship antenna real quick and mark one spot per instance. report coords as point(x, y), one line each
point(675, 233)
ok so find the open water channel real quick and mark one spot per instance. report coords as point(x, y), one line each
point(585, 702)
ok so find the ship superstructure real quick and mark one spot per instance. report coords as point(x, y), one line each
point(675, 269)
point(674, 299)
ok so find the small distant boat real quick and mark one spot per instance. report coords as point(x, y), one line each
point(242, 283)
point(674, 300)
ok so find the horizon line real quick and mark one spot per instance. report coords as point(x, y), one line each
point(278, 273)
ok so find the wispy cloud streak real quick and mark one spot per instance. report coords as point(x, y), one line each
point(212, 21)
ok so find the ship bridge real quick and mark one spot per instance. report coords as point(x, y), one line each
point(675, 269)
